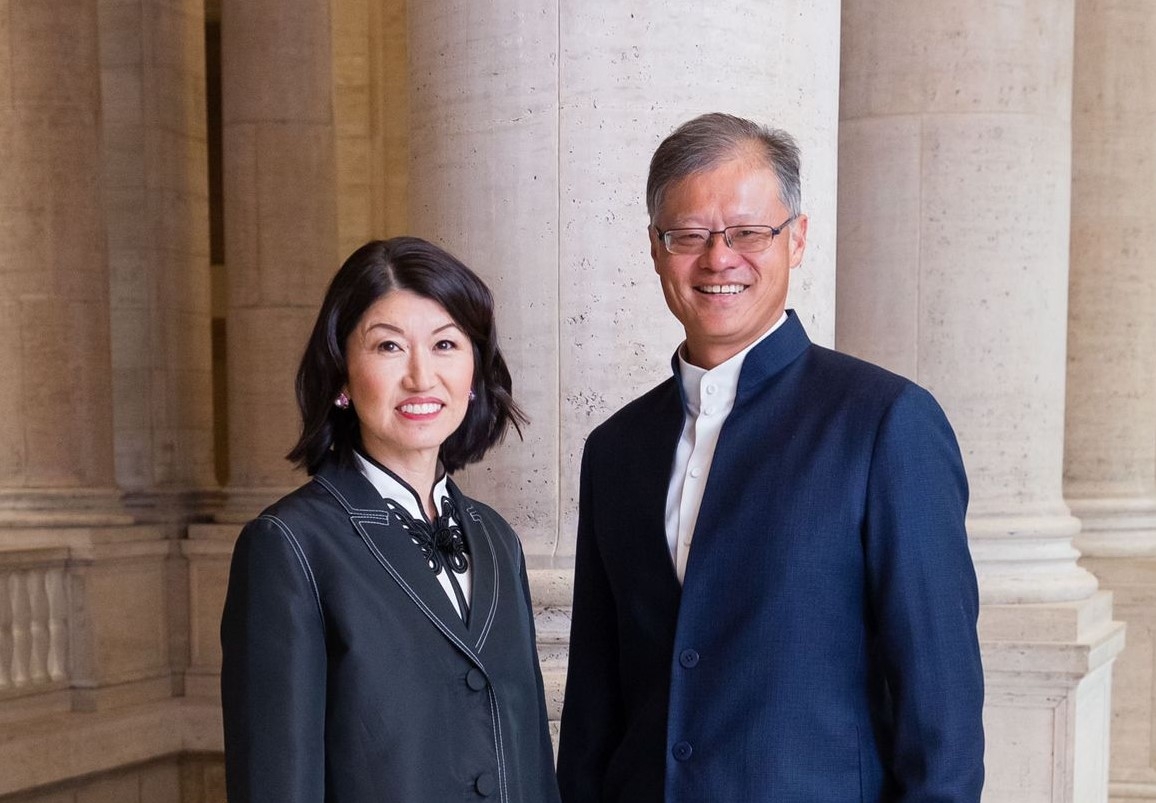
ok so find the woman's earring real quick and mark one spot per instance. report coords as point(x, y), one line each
point(473, 395)
point(342, 400)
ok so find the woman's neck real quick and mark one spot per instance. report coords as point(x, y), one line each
point(419, 471)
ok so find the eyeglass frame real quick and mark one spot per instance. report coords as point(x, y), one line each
point(725, 232)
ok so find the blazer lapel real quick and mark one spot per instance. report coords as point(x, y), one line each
point(486, 580)
point(392, 547)
point(651, 461)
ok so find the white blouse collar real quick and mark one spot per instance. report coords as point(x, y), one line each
point(391, 486)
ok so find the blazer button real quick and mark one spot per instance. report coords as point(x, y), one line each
point(485, 785)
point(476, 679)
point(682, 751)
point(688, 658)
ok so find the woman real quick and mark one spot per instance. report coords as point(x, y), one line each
point(378, 637)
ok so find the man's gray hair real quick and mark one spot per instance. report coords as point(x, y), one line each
point(710, 139)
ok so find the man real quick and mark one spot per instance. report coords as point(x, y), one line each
point(774, 599)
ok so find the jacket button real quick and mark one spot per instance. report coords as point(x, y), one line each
point(485, 785)
point(688, 658)
point(476, 679)
point(682, 751)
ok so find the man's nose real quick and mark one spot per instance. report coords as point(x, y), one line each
point(718, 255)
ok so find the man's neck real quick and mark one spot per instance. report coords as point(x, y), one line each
point(709, 356)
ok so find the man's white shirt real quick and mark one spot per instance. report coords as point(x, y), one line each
point(710, 397)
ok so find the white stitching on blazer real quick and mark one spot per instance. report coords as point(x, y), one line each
point(304, 561)
point(378, 518)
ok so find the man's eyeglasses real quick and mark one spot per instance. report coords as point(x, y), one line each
point(743, 239)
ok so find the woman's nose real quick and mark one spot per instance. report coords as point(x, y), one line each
point(418, 377)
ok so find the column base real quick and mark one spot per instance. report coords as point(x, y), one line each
point(1048, 669)
point(1028, 559)
point(1132, 580)
point(172, 506)
point(1120, 527)
point(64, 507)
point(1120, 791)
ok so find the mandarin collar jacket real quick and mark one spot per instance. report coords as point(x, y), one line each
point(823, 645)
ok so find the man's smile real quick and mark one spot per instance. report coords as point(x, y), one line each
point(720, 289)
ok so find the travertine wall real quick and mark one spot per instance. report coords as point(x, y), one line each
point(955, 205)
point(532, 129)
point(156, 206)
point(280, 199)
point(1110, 443)
point(954, 202)
point(56, 431)
point(371, 101)
point(189, 779)
point(517, 134)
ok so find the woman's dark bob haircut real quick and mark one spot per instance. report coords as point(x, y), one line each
point(372, 271)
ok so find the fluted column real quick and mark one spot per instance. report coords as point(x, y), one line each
point(156, 207)
point(955, 197)
point(532, 129)
point(56, 446)
point(1110, 451)
point(281, 245)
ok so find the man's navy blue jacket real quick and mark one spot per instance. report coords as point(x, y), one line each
point(823, 645)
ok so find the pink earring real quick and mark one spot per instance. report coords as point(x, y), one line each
point(342, 401)
point(473, 395)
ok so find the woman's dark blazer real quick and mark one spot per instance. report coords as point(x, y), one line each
point(347, 675)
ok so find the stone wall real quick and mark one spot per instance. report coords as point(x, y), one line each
point(980, 186)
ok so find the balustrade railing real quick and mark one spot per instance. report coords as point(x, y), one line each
point(33, 620)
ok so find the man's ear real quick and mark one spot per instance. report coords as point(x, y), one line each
point(797, 242)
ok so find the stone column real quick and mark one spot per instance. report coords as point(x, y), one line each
point(1110, 449)
point(281, 250)
point(280, 197)
point(57, 481)
point(156, 208)
point(954, 193)
point(156, 211)
point(484, 163)
point(371, 100)
point(389, 84)
point(354, 155)
point(56, 456)
point(532, 129)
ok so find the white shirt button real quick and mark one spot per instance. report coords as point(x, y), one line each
point(696, 472)
point(710, 389)
point(708, 410)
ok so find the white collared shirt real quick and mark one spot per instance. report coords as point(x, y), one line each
point(391, 488)
point(710, 396)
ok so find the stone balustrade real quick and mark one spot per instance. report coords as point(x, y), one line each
point(34, 621)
